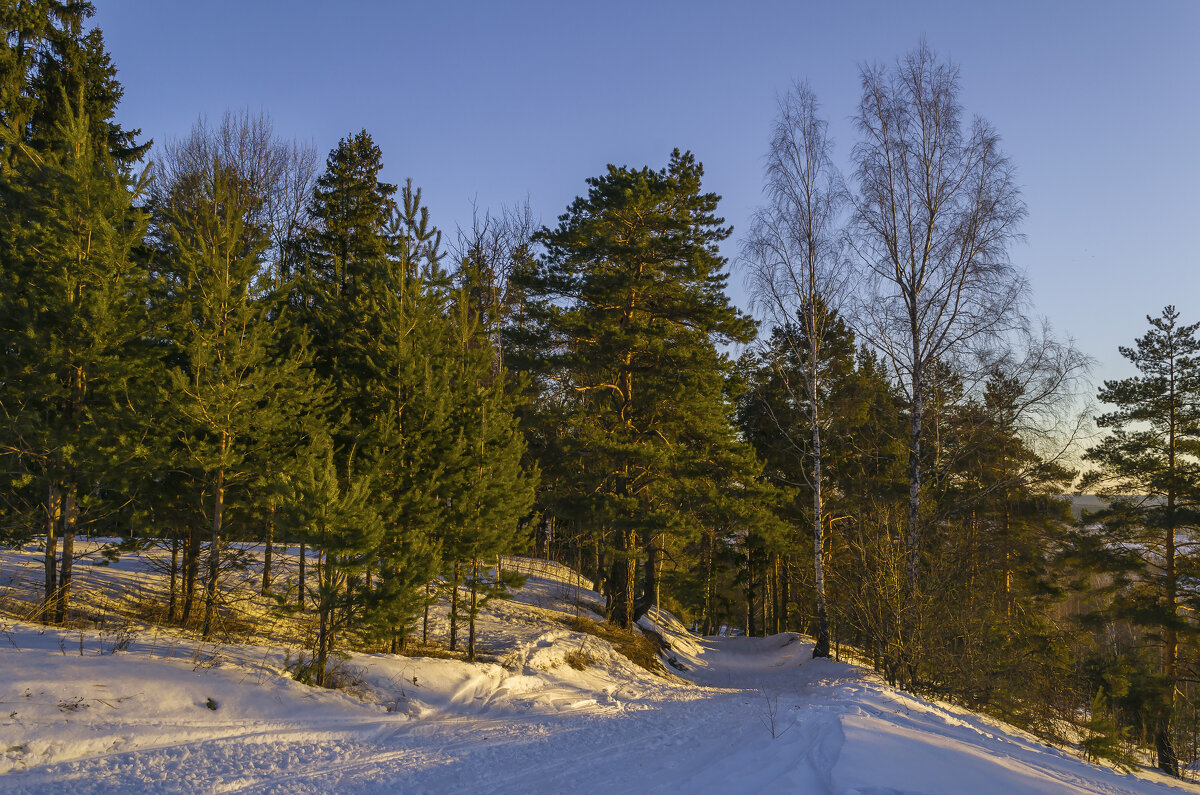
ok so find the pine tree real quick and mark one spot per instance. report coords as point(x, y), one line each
point(495, 490)
point(1105, 738)
point(69, 289)
point(335, 515)
point(228, 389)
point(625, 309)
point(400, 399)
point(1149, 470)
point(379, 304)
point(72, 327)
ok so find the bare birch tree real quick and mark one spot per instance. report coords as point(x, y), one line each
point(487, 253)
point(935, 210)
point(275, 175)
point(800, 277)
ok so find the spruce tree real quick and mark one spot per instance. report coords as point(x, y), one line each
point(53, 70)
point(344, 251)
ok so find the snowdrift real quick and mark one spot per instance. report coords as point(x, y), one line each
point(554, 710)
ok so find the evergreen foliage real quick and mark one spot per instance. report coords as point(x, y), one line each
point(73, 319)
point(231, 356)
point(495, 488)
point(1105, 739)
point(335, 515)
point(228, 389)
point(1148, 467)
point(624, 310)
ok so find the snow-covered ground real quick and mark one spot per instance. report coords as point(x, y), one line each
point(89, 711)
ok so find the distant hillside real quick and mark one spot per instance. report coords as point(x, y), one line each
point(1086, 502)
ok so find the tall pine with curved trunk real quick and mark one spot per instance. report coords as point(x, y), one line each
point(624, 312)
point(1149, 468)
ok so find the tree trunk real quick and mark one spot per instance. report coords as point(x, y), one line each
point(399, 639)
point(300, 578)
point(578, 568)
point(267, 548)
point(425, 622)
point(214, 551)
point(908, 624)
point(474, 608)
point(53, 513)
point(785, 595)
point(821, 647)
point(173, 601)
point(548, 536)
point(653, 562)
point(751, 594)
point(776, 589)
point(707, 548)
point(1168, 760)
point(190, 571)
point(600, 583)
point(765, 600)
point(70, 512)
point(624, 579)
point(324, 610)
point(913, 542)
point(454, 609)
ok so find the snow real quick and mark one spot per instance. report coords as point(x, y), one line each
point(94, 711)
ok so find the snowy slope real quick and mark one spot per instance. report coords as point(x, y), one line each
point(140, 719)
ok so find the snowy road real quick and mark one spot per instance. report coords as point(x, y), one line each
point(837, 730)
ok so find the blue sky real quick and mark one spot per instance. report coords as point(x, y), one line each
point(1098, 104)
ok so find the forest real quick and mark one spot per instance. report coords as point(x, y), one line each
point(226, 343)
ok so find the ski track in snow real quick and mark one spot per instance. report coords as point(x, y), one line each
point(838, 731)
point(136, 722)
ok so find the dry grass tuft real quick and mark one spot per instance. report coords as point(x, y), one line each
point(441, 651)
point(640, 648)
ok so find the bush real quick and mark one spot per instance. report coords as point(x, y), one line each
point(1104, 739)
point(339, 673)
